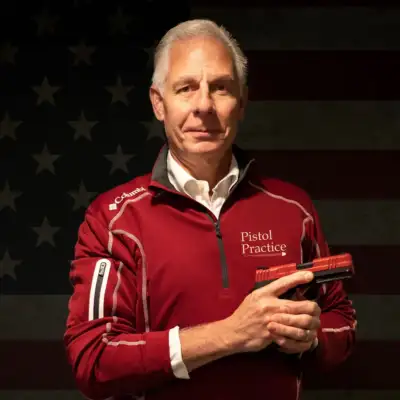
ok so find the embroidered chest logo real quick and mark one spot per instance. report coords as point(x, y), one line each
point(261, 244)
point(120, 199)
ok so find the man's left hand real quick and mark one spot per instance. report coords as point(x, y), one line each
point(295, 328)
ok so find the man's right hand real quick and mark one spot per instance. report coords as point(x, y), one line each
point(248, 325)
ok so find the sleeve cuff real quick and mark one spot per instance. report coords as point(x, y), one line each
point(175, 352)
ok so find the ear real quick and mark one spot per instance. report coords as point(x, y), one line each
point(157, 102)
point(243, 102)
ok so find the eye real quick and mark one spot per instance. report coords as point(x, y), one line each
point(220, 87)
point(183, 89)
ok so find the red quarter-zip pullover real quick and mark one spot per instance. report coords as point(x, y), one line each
point(149, 258)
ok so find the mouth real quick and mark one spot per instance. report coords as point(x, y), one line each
point(203, 131)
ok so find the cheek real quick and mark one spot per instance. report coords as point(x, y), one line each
point(177, 113)
point(230, 114)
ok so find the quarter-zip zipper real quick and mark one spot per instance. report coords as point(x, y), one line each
point(216, 223)
point(222, 254)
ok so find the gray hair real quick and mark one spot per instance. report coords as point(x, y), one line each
point(191, 29)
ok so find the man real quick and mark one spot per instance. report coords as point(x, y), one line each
point(165, 264)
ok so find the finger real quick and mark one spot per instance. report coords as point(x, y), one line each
point(290, 346)
point(302, 307)
point(291, 332)
point(282, 285)
point(302, 321)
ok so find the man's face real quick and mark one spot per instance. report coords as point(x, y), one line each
point(201, 103)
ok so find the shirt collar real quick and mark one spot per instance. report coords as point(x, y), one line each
point(183, 181)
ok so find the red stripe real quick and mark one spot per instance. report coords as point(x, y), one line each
point(324, 75)
point(42, 366)
point(287, 3)
point(372, 366)
point(377, 269)
point(336, 174)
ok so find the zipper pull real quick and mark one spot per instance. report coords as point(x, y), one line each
point(218, 230)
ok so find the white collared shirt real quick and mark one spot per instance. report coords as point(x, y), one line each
point(199, 190)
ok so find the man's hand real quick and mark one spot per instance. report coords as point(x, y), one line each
point(251, 326)
point(295, 329)
point(246, 330)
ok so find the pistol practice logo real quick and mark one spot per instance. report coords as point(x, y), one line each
point(258, 244)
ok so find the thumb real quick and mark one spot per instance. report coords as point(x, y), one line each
point(282, 285)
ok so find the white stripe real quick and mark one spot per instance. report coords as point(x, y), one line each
point(103, 287)
point(124, 343)
point(141, 249)
point(41, 395)
point(351, 395)
point(369, 222)
point(300, 28)
point(308, 216)
point(377, 317)
point(144, 273)
point(95, 277)
point(321, 125)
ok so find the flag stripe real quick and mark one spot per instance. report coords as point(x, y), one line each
point(337, 174)
point(336, 394)
point(19, 367)
point(324, 75)
point(308, 28)
point(356, 374)
point(377, 272)
point(377, 316)
point(306, 395)
point(377, 269)
point(229, 4)
point(360, 222)
point(41, 395)
point(321, 125)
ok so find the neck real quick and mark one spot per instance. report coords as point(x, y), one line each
point(208, 168)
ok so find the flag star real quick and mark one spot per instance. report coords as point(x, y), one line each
point(45, 22)
point(8, 127)
point(45, 232)
point(45, 92)
point(119, 92)
point(119, 160)
point(7, 53)
point(119, 22)
point(82, 127)
point(45, 160)
point(7, 197)
point(82, 197)
point(82, 53)
point(7, 266)
point(154, 128)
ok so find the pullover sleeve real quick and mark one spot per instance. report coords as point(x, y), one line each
point(109, 356)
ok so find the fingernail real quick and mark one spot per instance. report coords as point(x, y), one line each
point(308, 275)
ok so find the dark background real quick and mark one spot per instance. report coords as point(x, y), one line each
point(75, 120)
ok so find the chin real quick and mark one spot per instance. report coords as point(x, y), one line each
point(206, 147)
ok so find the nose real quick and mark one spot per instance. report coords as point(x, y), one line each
point(204, 103)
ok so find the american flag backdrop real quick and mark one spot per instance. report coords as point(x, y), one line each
point(75, 120)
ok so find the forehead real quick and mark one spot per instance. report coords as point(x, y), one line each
point(198, 57)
